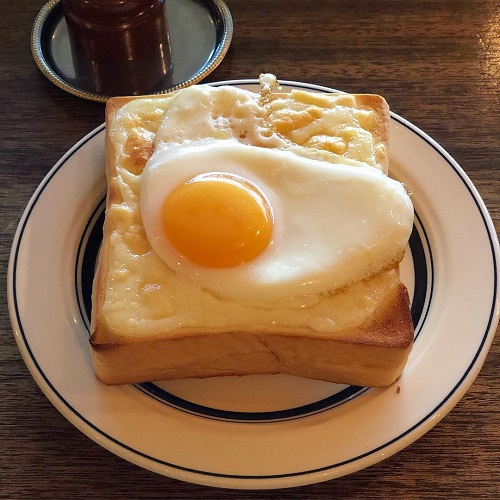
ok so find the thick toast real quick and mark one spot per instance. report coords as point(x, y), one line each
point(132, 340)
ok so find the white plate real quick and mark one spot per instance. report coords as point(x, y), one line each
point(262, 431)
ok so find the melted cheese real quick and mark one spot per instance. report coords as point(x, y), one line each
point(144, 296)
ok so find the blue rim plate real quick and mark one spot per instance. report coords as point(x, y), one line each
point(258, 432)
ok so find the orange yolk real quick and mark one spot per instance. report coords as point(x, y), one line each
point(217, 220)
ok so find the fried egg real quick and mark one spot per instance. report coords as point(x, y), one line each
point(250, 223)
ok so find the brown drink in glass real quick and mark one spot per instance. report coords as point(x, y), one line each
point(119, 47)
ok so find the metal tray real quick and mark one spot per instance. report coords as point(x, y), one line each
point(200, 33)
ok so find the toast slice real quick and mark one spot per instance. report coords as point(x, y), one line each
point(144, 328)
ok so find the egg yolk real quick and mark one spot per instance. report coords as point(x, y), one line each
point(218, 220)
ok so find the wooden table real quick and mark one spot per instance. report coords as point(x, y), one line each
point(437, 64)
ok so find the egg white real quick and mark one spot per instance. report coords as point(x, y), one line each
point(334, 224)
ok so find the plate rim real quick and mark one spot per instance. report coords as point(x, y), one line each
point(279, 480)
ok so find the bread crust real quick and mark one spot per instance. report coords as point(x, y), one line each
point(372, 354)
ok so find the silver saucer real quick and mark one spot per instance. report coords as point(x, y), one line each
point(200, 33)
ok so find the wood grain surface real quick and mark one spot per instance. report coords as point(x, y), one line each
point(438, 65)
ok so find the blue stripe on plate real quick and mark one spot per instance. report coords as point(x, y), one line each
point(173, 401)
point(423, 264)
